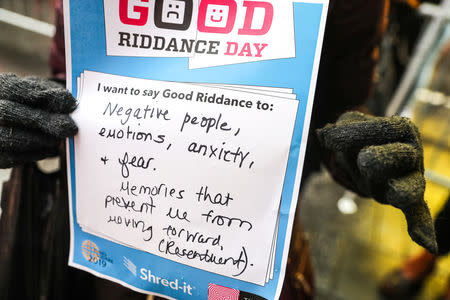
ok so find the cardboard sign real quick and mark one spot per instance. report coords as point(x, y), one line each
point(193, 118)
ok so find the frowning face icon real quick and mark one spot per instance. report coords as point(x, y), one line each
point(173, 11)
point(173, 14)
point(217, 15)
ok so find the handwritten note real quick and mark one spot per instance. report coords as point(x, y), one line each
point(188, 172)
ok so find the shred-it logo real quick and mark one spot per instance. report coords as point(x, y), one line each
point(236, 30)
point(93, 255)
point(174, 284)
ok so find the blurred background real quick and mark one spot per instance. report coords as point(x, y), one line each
point(26, 28)
point(354, 241)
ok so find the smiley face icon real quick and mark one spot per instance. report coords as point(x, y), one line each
point(173, 14)
point(217, 16)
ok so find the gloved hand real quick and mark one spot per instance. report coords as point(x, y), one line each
point(33, 119)
point(382, 158)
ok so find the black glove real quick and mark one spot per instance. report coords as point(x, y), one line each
point(33, 119)
point(382, 157)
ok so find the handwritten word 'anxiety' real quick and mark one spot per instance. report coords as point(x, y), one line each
point(220, 153)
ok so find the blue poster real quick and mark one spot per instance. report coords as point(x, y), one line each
point(193, 118)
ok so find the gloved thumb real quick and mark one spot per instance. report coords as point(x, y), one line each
point(420, 225)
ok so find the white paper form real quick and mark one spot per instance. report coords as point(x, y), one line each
point(283, 92)
point(126, 209)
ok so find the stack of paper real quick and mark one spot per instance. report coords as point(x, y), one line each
point(190, 172)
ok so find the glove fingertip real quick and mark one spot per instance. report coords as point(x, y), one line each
point(326, 137)
point(63, 127)
point(71, 130)
point(319, 135)
point(70, 102)
point(424, 237)
point(420, 225)
point(62, 101)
